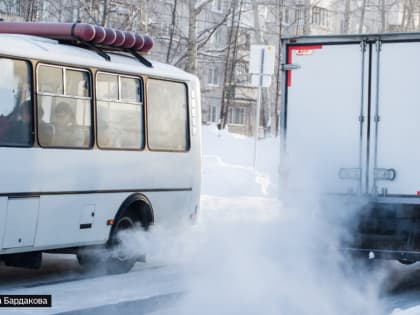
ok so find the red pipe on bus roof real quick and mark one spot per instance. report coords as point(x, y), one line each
point(100, 35)
point(120, 38)
point(111, 36)
point(148, 44)
point(104, 36)
point(82, 31)
point(130, 40)
point(139, 42)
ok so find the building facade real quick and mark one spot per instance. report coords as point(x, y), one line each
point(225, 31)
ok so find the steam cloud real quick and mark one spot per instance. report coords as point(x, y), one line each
point(255, 256)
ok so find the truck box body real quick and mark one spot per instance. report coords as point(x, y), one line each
point(350, 127)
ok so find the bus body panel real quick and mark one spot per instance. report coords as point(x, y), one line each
point(62, 216)
point(51, 51)
point(68, 188)
point(21, 222)
point(3, 215)
point(195, 109)
point(55, 170)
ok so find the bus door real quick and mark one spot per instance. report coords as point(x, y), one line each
point(20, 222)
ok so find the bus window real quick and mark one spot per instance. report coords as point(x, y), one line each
point(64, 107)
point(50, 80)
point(167, 114)
point(16, 127)
point(77, 83)
point(119, 112)
point(130, 90)
point(107, 86)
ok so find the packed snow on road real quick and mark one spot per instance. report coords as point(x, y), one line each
point(248, 253)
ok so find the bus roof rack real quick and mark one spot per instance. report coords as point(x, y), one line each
point(89, 45)
point(98, 38)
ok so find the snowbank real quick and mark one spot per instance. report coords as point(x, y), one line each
point(228, 164)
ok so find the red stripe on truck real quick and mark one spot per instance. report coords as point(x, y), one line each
point(302, 49)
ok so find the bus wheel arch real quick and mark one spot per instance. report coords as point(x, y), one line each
point(138, 206)
point(135, 211)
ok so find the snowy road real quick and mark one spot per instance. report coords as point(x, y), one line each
point(146, 288)
point(403, 293)
point(182, 286)
point(149, 288)
point(170, 286)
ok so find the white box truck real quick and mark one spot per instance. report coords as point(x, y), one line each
point(350, 129)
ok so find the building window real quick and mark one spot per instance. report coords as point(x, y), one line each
point(324, 17)
point(217, 38)
point(242, 73)
point(217, 5)
point(213, 76)
point(212, 114)
point(316, 15)
point(286, 16)
point(237, 116)
point(247, 43)
point(299, 13)
point(320, 16)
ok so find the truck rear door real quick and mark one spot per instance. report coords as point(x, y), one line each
point(396, 119)
point(323, 125)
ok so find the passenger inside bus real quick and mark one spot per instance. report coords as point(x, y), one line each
point(3, 127)
point(66, 131)
point(20, 124)
point(45, 130)
point(16, 128)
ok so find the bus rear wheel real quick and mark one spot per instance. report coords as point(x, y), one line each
point(121, 258)
point(116, 256)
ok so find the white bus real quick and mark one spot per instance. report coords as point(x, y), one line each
point(89, 147)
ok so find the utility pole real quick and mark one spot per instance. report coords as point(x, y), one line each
point(261, 66)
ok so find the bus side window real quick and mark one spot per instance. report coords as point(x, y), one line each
point(167, 114)
point(64, 109)
point(16, 127)
point(119, 112)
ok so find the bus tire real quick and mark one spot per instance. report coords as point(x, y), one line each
point(111, 257)
point(138, 215)
point(87, 260)
point(406, 261)
point(119, 259)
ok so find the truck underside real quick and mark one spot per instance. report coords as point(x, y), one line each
point(388, 231)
